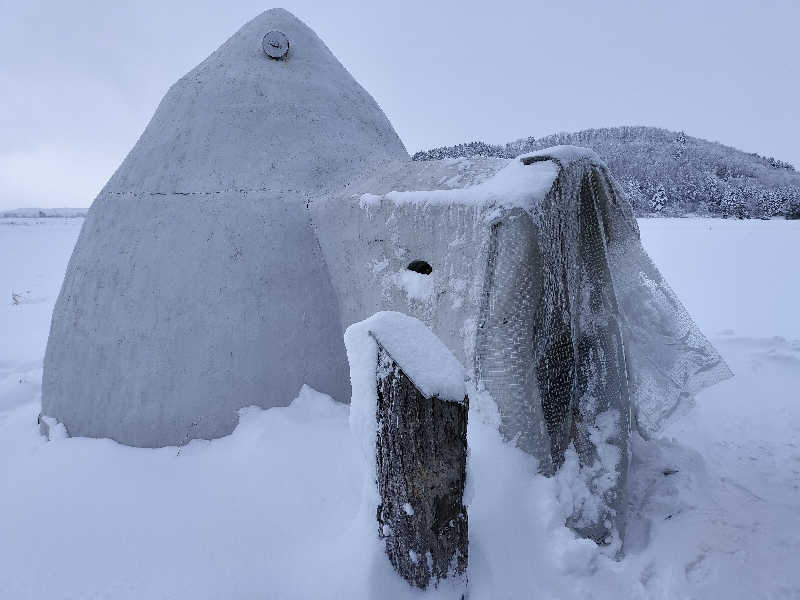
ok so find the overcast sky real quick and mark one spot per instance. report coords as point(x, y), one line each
point(79, 80)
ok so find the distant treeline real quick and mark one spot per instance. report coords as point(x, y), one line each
point(669, 173)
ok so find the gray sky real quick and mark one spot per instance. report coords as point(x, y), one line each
point(79, 80)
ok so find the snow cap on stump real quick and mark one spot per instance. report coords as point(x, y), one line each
point(425, 360)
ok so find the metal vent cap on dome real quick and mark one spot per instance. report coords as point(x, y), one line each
point(275, 45)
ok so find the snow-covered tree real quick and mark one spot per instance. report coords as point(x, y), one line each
point(659, 200)
point(733, 204)
point(633, 192)
point(792, 207)
point(680, 146)
point(695, 174)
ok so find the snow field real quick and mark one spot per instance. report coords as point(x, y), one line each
point(274, 509)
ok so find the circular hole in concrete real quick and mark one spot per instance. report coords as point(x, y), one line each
point(420, 266)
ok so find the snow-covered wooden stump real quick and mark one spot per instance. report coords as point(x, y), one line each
point(421, 456)
point(418, 440)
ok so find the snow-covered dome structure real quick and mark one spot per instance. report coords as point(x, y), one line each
point(197, 285)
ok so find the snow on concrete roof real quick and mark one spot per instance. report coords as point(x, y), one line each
point(521, 182)
point(243, 121)
point(488, 182)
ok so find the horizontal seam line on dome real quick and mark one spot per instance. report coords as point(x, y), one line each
point(234, 191)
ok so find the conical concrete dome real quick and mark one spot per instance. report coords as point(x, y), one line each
point(241, 120)
point(197, 285)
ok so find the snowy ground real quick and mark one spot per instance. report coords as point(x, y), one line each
point(273, 510)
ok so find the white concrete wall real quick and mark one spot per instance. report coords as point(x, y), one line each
point(197, 285)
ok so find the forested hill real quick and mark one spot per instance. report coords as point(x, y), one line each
point(669, 173)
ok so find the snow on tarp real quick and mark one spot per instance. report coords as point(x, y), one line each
point(564, 155)
point(521, 182)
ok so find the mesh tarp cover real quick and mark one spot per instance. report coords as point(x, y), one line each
point(581, 339)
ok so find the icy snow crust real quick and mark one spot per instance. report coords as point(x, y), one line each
point(197, 285)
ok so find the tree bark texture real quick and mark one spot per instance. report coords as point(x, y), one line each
point(421, 454)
